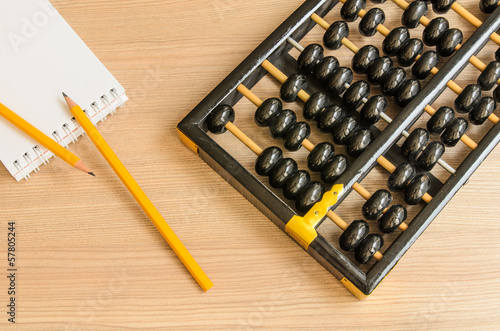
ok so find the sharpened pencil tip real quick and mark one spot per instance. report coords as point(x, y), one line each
point(91, 173)
point(65, 95)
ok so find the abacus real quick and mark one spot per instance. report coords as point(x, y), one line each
point(357, 134)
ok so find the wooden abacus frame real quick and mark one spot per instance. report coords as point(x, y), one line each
point(193, 132)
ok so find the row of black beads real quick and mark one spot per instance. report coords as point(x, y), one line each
point(379, 70)
point(374, 207)
point(322, 158)
point(357, 238)
point(284, 173)
point(282, 123)
point(419, 151)
point(470, 102)
point(332, 119)
point(405, 178)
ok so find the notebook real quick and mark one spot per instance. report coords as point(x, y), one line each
point(40, 57)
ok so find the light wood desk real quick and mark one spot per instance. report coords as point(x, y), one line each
point(90, 259)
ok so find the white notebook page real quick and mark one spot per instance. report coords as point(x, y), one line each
point(40, 57)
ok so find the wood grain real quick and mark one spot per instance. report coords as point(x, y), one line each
point(90, 259)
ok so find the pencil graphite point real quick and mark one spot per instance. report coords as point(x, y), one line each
point(83, 167)
point(69, 101)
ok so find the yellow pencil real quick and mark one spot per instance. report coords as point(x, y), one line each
point(139, 195)
point(44, 140)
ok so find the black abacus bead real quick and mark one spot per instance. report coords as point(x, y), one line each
point(267, 160)
point(296, 184)
point(489, 77)
point(414, 144)
point(320, 155)
point(434, 30)
point(409, 52)
point(416, 189)
point(375, 205)
point(325, 68)
point(488, 6)
point(334, 168)
point(313, 107)
point(372, 109)
point(332, 39)
point(394, 79)
point(408, 90)
point(282, 171)
point(378, 69)
point(496, 94)
point(378, 1)
point(344, 130)
point(403, 174)
point(351, 8)
point(268, 111)
point(448, 41)
point(219, 117)
point(430, 155)
point(423, 66)
point(358, 142)
point(311, 194)
point(373, 18)
point(392, 219)
point(309, 58)
point(454, 132)
point(395, 40)
point(353, 97)
point(442, 6)
point(292, 86)
point(338, 80)
point(353, 235)
point(482, 110)
point(296, 135)
point(466, 100)
point(497, 54)
point(441, 119)
point(363, 58)
point(368, 247)
point(282, 123)
point(412, 14)
point(329, 117)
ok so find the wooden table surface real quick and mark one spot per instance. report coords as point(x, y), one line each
point(89, 258)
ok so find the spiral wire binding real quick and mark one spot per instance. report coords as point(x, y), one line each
point(72, 135)
point(97, 111)
point(28, 159)
point(40, 154)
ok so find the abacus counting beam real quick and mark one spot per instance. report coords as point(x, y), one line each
point(428, 109)
point(309, 145)
point(257, 150)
